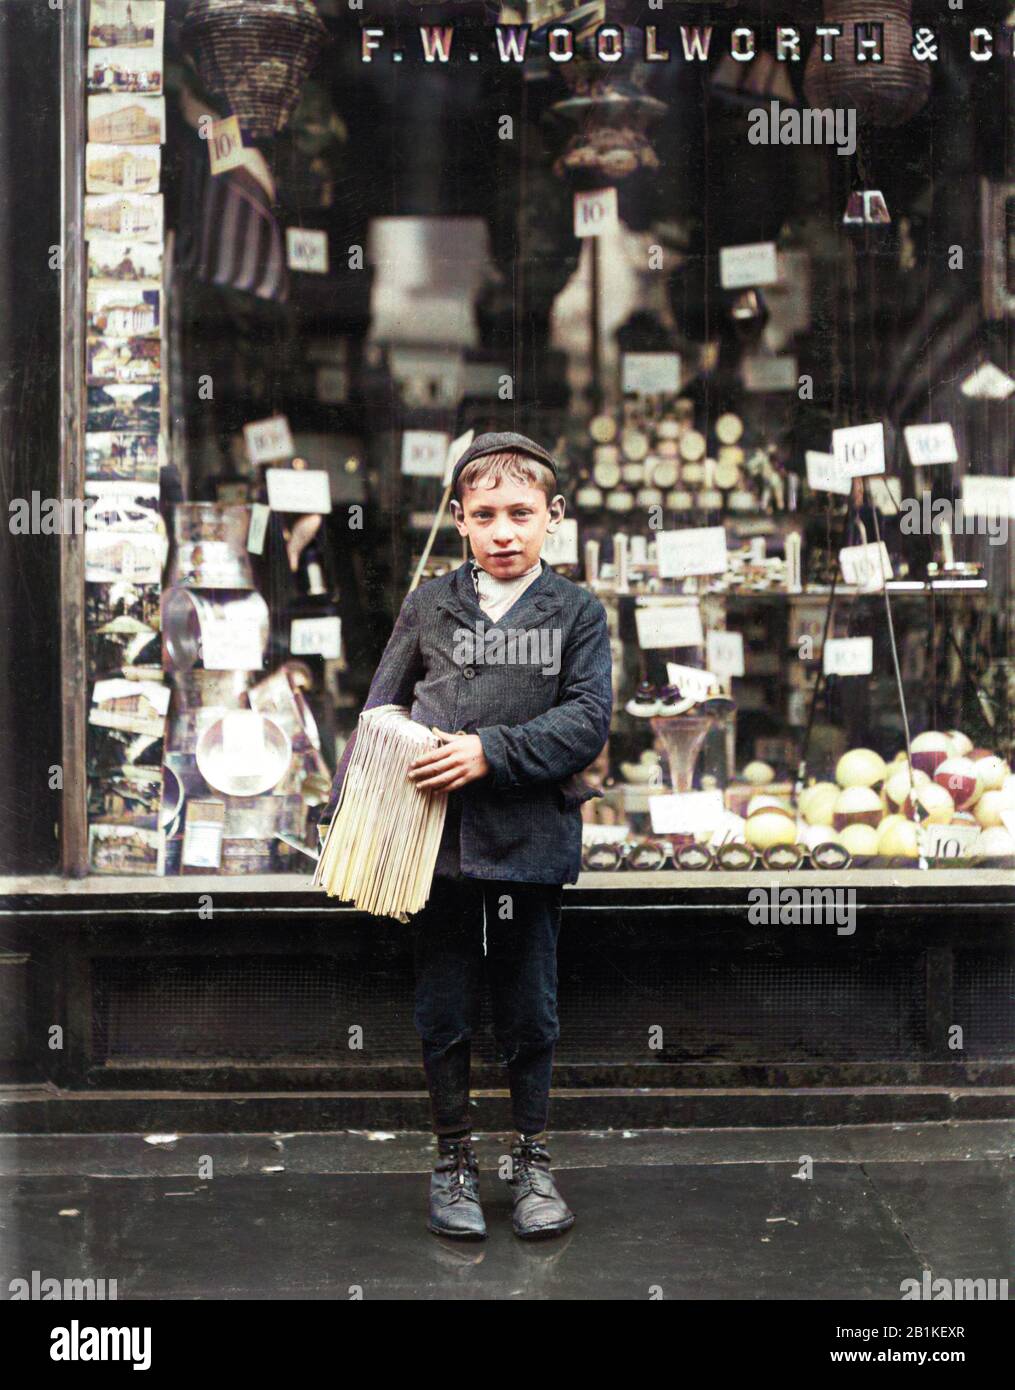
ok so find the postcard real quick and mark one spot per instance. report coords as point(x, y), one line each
point(122, 506)
point(124, 70)
point(132, 262)
point(122, 168)
point(123, 408)
point(137, 556)
point(129, 796)
point(127, 120)
point(140, 707)
point(126, 24)
point(122, 311)
point(125, 849)
point(124, 216)
point(123, 360)
point(118, 604)
point(111, 457)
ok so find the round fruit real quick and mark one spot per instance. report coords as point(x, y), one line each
point(860, 767)
point(937, 802)
point(817, 803)
point(857, 804)
point(960, 777)
point(898, 785)
point(759, 774)
point(991, 770)
point(990, 805)
point(898, 840)
point(994, 843)
point(929, 750)
point(770, 826)
point(860, 839)
point(963, 746)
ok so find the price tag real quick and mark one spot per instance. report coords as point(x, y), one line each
point(743, 266)
point(316, 637)
point(988, 496)
point(764, 373)
point(726, 653)
point(949, 841)
point(202, 835)
point(650, 373)
point(693, 682)
point(669, 625)
point(866, 566)
point(268, 440)
point(595, 212)
point(860, 449)
point(424, 453)
point(561, 546)
point(886, 494)
point(232, 638)
point(257, 528)
point(826, 474)
point(848, 656)
point(698, 550)
point(686, 813)
point(305, 490)
point(931, 444)
point(456, 449)
point(225, 145)
point(307, 250)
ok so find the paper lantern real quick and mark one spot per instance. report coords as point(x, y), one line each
point(888, 93)
point(255, 55)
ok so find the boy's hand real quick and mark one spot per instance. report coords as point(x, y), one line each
point(461, 760)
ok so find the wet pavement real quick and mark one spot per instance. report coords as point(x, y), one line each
point(839, 1213)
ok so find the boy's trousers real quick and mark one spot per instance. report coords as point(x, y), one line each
point(520, 965)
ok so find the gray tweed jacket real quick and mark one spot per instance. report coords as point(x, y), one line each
point(535, 686)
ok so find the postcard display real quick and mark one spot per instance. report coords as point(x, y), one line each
point(189, 769)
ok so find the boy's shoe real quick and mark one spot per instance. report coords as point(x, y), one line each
point(454, 1192)
point(539, 1209)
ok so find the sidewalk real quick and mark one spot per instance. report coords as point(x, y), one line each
point(717, 1214)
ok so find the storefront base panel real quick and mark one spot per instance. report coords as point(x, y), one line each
point(286, 1012)
point(50, 1110)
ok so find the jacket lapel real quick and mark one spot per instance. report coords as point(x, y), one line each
point(535, 603)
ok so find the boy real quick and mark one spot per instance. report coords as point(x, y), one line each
point(514, 662)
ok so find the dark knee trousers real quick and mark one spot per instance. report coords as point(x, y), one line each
point(520, 965)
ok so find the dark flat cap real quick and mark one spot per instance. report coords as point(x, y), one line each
point(506, 442)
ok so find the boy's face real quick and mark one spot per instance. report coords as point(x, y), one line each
point(506, 525)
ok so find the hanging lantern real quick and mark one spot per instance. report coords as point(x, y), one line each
point(888, 93)
point(613, 114)
point(255, 56)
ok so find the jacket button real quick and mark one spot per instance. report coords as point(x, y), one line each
point(469, 672)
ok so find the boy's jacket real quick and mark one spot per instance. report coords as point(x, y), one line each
point(539, 727)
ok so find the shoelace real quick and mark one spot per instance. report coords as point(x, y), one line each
point(529, 1177)
point(466, 1171)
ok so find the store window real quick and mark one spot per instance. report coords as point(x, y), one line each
point(772, 358)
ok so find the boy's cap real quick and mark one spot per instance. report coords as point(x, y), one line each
point(503, 443)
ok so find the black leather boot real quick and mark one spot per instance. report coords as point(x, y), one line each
point(454, 1192)
point(539, 1209)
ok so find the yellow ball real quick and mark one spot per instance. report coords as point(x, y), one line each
point(860, 767)
point(817, 803)
point(860, 839)
point(769, 827)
